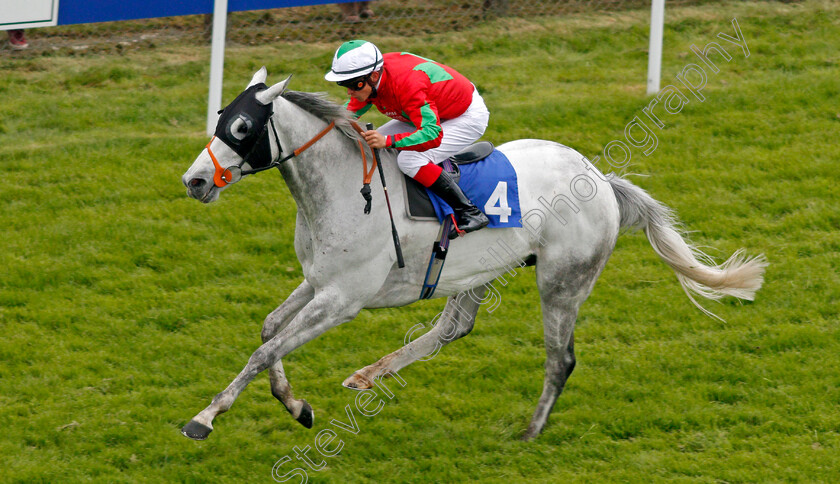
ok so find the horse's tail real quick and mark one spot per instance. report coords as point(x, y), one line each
point(739, 276)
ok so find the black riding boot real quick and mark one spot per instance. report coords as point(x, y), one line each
point(470, 218)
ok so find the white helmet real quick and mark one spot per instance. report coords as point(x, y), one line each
point(353, 59)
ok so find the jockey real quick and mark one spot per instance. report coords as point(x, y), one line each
point(435, 113)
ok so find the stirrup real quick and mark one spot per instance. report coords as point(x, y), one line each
point(458, 231)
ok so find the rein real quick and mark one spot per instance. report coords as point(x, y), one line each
point(366, 175)
point(225, 176)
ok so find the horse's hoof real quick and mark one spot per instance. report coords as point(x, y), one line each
point(196, 431)
point(357, 382)
point(307, 415)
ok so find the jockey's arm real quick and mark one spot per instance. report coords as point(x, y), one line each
point(424, 116)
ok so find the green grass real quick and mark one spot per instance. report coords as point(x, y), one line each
point(125, 306)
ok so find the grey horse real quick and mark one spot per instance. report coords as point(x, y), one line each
point(572, 216)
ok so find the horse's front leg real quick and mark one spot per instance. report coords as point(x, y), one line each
point(328, 309)
point(455, 321)
point(274, 323)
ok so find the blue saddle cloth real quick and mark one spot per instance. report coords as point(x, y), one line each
point(492, 186)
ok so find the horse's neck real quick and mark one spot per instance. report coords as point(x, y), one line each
point(322, 176)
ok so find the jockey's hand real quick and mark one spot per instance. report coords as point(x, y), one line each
point(374, 139)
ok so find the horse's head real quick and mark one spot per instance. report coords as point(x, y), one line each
point(241, 143)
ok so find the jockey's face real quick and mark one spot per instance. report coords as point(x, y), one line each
point(364, 93)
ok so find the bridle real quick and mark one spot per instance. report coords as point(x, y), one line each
point(226, 176)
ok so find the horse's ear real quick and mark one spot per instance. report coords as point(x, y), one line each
point(270, 94)
point(259, 77)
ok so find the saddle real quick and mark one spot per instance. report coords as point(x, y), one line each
point(418, 204)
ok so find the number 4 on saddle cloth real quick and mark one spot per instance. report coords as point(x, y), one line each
point(487, 178)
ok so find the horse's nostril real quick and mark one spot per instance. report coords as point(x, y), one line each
point(196, 182)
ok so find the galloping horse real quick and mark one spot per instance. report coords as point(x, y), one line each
point(572, 218)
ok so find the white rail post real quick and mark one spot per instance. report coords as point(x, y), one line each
point(657, 19)
point(217, 64)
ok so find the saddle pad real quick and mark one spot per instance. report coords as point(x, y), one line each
point(490, 183)
point(418, 205)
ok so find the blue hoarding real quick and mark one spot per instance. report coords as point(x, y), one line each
point(87, 11)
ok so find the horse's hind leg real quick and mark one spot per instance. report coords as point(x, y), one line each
point(274, 323)
point(563, 288)
point(455, 321)
point(559, 363)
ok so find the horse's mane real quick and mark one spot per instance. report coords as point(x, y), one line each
point(319, 106)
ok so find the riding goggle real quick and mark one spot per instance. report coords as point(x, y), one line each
point(355, 84)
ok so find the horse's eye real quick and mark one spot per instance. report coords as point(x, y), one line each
point(240, 127)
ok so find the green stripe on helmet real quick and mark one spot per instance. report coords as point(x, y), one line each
point(348, 46)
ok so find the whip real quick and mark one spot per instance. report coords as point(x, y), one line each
point(400, 261)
